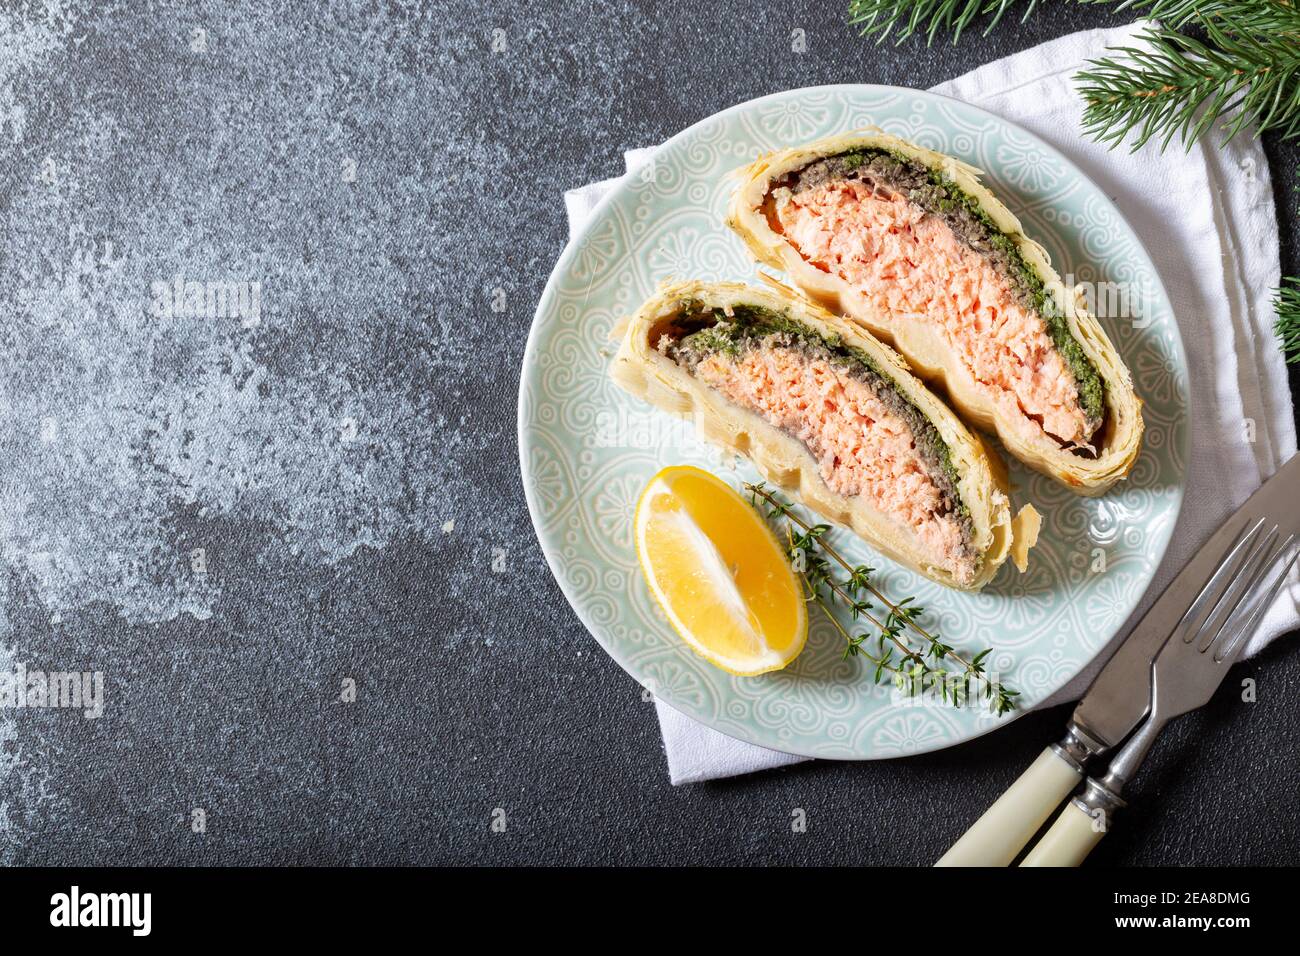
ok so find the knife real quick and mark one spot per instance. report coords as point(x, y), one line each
point(1119, 695)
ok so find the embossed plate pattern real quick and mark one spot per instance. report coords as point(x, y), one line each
point(587, 449)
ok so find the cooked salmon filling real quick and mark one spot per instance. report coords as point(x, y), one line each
point(867, 439)
point(914, 265)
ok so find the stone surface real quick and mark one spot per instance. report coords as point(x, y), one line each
point(233, 515)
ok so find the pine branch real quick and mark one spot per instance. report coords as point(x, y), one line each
point(1179, 86)
point(1272, 16)
point(904, 18)
point(1287, 306)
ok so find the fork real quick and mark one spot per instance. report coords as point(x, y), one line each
point(1207, 641)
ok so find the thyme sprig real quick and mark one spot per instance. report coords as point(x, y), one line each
point(920, 664)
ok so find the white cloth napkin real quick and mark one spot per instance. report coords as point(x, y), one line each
point(1206, 217)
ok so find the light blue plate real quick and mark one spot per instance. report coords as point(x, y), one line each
point(587, 448)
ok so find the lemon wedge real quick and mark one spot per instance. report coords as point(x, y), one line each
point(719, 573)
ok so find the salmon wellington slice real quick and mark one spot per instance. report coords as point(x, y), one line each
point(910, 245)
point(833, 417)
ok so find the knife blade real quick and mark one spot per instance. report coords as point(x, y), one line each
point(1120, 694)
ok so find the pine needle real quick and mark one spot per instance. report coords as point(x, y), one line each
point(1273, 16)
point(904, 18)
point(1287, 305)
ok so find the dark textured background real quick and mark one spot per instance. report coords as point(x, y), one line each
point(349, 464)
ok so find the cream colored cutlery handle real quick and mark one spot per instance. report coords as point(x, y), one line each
point(1070, 839)
point(1006, 827)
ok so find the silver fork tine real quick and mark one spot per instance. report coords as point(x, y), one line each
point(1219, 581)
point(1228, 649)
point(1239, 588)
